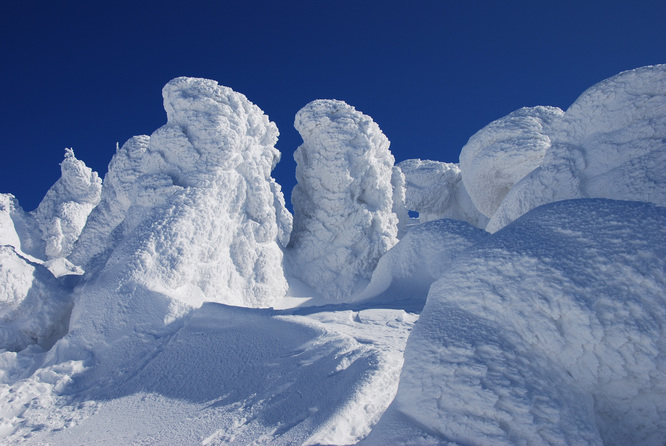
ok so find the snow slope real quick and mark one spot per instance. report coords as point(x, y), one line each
point(550, 331)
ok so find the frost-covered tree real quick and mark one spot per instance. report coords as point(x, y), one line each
point(188, 214)
point(63, 211)
point(343, 202)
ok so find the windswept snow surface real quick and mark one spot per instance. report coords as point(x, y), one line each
point(435, 190)
point(63, 212)
point(228, 375)
point(611, 143)
point(550, 331)
point(343, 202)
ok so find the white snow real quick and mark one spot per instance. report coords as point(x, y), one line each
point(64, 210)
point(503, 152)
point(547, 332)
point(550, 330)
point(343, 202)
point(611, 143)
point(436, 190)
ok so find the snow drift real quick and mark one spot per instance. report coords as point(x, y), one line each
point(547, 332)
point(343, 202)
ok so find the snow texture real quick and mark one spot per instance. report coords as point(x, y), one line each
point(420, 258)
point(343, 201)
point(34, 306)
point(611, 143)
point(19, 229)
point(189, 214)
point(435, 190)
point(547, 332)
point(63, 212)
point(503, 152)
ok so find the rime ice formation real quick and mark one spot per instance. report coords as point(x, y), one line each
point(34, 306)
point(503, 152)
point(611, 143)
point(19, 229)
point(548, 332)
point(187, 215)
point(435, 190)
point(63, 212)
point(420, 258)
point(343, 201)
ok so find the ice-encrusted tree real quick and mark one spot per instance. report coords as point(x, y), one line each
point(188, 214)
point(63, 211)
point(343, 201)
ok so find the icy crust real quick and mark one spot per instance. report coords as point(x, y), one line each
point(421, 257)
point(189, 214)
point(435, 190)
point(503, 152)
point(547, 332)
point(63, 211)
point(611, 143)
point(34, 306)
point(343, 201)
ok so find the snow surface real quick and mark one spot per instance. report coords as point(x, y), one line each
point(343, 201)
point(548, 331)
point(435, 190)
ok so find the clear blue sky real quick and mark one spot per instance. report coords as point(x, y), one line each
point(431, 73)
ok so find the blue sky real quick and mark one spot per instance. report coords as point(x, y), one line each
point(431, 73)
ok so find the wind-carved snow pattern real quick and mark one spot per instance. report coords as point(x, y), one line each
point(435, 190)
point(343, 201)
point(547, 332)
point(189, 214)
point(63, 212)
point(611, 143)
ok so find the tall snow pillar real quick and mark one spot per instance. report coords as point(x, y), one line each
point(343, 202)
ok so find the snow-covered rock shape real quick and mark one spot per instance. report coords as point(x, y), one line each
point(187, 215)
point(547, 332)
point(343, 201)
point(421, 257)
point(63, 211)
point(503, 152)
point(435, 190)
point(611, 143)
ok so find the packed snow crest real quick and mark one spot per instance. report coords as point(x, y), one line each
point(343, 203)
point(535, 273)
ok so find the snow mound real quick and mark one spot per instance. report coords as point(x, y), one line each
point(611, 143)
point(420, 258)
point(187, 215)
point(547, 332)
point(503, 152)
point(343, 201)
point(435, 190)
point(34, 306)
point(63, 211)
